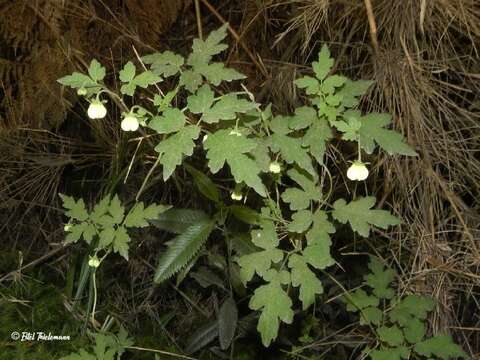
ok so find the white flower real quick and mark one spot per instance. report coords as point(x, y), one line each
point(237, 196)
point(129, 123)
point(357, 171)
point(67, 227)
point(96, 110)
point(275, 167)
point(205, 137)
point(93, 261)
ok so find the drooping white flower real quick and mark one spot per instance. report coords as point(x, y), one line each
point(96, 110)
point(357, 171)
point(129, 123)
point(275, 167)
point(93, 261)
point(237, 196)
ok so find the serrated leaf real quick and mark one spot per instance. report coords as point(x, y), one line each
point(226, 108)
point(182, 249)
point(259, 262)
point(352, 90)
point(201, 101)
point(272, 311)
point(174, 148)
point(138, 214)
point(100, 209)
point(226, 146)
point(350, 127)
point(412, 306)
point(304, 117)
point(324, 64)
point(330, 112)
point(120, 242)
point(301, 221)
point(397, 353)
point(75, 209)
point(75, 233)
point(89, 232)
point(172, 120)
point(165, 64)
point(266, 237)
point(380, 278)
point(178, 220)
point(304, 278)
point(414, 331)
point(204, 50)
point(146, 79)
point(310, 84)
point(360, 216)
point(142, 80)
point(332, 83)
point(116, 209)
point(78, 80)
point(217, 72)
point(359, 300)
point(292, 151)
point(227, 323)
point(316, 138)
point(371, 315)
point(106, 237)
point(441, 346)
point(321, 229)
point(300, 199)
point(191, 80)
point(96, 71)
point(127, 73)
point(372, 131)
point(318, 255)
point(393, 336)
point(280, 124)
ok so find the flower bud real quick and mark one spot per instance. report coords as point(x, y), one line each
point(96, 110)
point(237, 196)
point(357, 171)
point(129, 123)
point(275, 167)
point(94, 261)
point(82, 91)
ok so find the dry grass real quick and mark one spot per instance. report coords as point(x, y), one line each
point(426, 75)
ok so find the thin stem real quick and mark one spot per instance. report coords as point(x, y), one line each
point(150, 172)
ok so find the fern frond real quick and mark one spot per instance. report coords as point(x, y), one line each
point(178, 220)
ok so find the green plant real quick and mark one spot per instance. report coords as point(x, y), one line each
point(397, 322)
point(277, 163)
point(107, 347)
point(106, 226)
